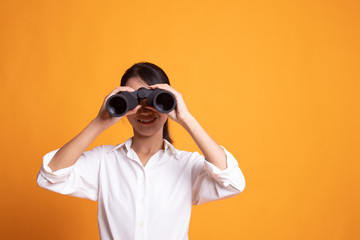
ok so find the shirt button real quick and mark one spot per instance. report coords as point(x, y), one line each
point(142, 200)
point(141, 224)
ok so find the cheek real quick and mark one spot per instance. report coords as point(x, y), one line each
point(131, 119)
point(163, 119)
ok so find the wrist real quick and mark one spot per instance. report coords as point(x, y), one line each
point(187, 121)
point(99, 124)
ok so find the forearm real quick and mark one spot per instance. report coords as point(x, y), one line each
point(70, 152)
point(210, 149)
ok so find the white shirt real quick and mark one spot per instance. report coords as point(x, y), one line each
point(137, 202)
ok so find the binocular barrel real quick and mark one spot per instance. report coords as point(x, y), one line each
point(119, 104)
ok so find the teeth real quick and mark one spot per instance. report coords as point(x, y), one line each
point(146, 121)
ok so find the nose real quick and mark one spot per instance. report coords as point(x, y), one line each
point(143, 102)
point(145, 108)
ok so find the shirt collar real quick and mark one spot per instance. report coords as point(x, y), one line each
point(168, 147)
point(171, 149)
point(126, 144)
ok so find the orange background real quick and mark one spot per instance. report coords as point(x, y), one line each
point(276, 82)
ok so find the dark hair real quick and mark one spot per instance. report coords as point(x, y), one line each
point(150, 74)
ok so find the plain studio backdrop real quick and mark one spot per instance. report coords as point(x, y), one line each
point(275, 82)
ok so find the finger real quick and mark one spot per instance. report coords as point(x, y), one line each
point(165, 87)
point(159, 85)
point(123, 89)
point(119, 89)
point(133, 111)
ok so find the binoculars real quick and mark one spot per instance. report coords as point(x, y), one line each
point(119, 104)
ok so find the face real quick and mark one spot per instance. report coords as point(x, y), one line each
point(146, 121)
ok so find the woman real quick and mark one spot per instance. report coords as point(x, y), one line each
point(144, 187)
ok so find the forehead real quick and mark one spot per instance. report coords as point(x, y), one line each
point(136, 83)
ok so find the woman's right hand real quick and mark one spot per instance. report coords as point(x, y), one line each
point(104, 117)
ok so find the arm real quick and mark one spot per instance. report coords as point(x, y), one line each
point(70, 152)
point(212, 151)
point(216, 175)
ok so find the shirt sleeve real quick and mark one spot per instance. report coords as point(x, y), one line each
point(209, 183)
point(79, 180)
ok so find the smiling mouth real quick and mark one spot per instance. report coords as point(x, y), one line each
point(147, 121)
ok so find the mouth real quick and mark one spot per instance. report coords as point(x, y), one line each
point(147, 120)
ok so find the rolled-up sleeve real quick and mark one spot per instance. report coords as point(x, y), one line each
point(209, 183)
point(78, 180)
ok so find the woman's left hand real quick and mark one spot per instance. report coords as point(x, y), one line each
point(180, 113)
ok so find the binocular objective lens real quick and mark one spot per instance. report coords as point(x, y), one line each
point(117, 106)
point(164, 102)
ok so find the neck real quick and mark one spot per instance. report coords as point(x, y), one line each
point(147, 144)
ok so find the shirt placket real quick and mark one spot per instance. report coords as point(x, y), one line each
point(141, 207)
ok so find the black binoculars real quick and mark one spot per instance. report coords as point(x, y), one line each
point(119, 104)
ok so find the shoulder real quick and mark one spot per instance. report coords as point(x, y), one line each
point(180, 154)
point(111, 149)
point(187, 156)
point(102, 150)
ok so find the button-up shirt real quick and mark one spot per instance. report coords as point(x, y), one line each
point(137, 202)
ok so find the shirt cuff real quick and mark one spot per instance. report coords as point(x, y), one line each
point(57, 176)
point(223, 176)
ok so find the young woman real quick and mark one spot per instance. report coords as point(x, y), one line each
point(144, 187)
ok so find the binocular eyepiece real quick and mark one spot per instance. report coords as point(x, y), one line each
point(119, 104)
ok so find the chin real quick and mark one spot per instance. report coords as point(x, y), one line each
point(147, 128)
point(146, 133)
